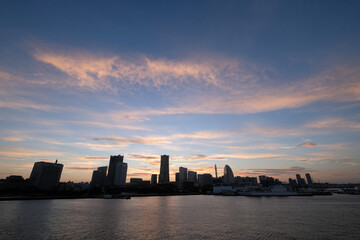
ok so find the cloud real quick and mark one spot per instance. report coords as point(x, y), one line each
point(99, 72)
point(134, 140)
point(349, 163)
point(94, 158)
point(12, 139)
point(25, 152)
point(306, 143)
point(81, 168)
point(334, 123)
point(275, 171)
point(157, 140)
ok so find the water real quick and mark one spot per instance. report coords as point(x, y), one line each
point(183, 217)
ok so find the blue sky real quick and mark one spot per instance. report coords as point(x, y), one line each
point(267, 87)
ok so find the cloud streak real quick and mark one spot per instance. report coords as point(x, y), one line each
point(99, 72)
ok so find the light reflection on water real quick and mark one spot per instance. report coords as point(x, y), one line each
point(183, 217)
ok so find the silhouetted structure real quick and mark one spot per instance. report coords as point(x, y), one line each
point(182, 174)
point(309, 179)
point(192, 176)
point(228, 175)
point(177, 177)
point(114, 161)
point(120, 174)
point(14, 182)
point(153, 179)
point(300, 180)
point(135, 180)
point(205, 179)
point(99, 177)
point(293, 183)
point(246, 181)
point(164, 169)
point(45, 175)
point(267, 181)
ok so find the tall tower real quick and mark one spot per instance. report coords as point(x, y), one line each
point(114, 161)
point(228, 175)
point(216, 171)
point(183, 174)
point(120, 174)
point(164, 169)
point(298, 178)
point(308, 178)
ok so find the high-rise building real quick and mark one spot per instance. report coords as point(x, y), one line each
point(228, 175)
point(300, 180)
point(153, 179)
point(120, 174)
point(45, 175)
point(164, 169)
point(99, 177)
point(192, 176)
point(177, 177)
point(182, 174)
point(309, 179)
point(114, 160)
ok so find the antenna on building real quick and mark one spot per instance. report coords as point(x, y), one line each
point(216, 171)
point(56, 161)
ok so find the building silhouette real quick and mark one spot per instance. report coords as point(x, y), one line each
point(153, 179)
point(99, 177)
point(164, 169)
point(177, 177)
point(182, 174)
point(45, 175)
point(114, 161)
point(309, 179)
point(293, 182)
point(14, 182)
point(300, 180)
point(192, 176)
point(205, 179)
point(228, 175)
point(120, 174)
point(135, 180)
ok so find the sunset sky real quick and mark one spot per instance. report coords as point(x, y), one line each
point(266, 87)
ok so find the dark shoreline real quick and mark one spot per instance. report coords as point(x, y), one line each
point(120, 196)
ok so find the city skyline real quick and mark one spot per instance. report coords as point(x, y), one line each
point(268, 88)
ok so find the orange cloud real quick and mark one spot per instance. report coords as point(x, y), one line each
point(25, 152)
point(334, 123)
point(98, 72)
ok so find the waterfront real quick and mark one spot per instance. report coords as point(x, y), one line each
point(183, 217)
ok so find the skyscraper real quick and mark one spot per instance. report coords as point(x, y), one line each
point(114, 160)
point(99, 177)
point(192, 176)
point(45, 175)
point(300, 180)
point(228, 175)
point(164, 169)
point(182, 174)
point(309, 179)
point(120, 174)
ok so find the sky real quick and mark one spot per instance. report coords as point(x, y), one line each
point(266, 87)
